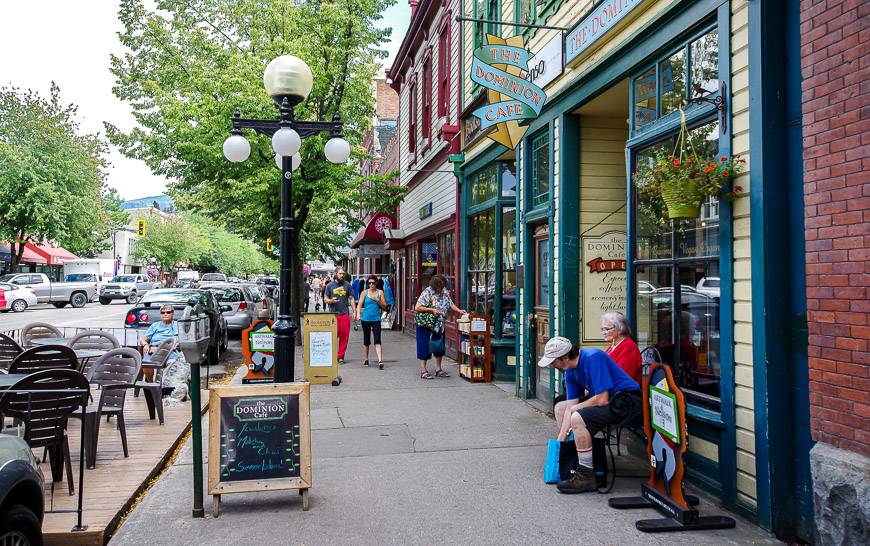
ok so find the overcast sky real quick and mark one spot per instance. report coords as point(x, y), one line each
point(69, 42)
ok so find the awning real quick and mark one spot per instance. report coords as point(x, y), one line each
point(374, 230)
point(29, 256)
point(395, 239)
point(54, 255)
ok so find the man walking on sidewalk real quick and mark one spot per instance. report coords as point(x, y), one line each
point(339, 297)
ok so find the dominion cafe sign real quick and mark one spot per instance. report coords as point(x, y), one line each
point(501, 66)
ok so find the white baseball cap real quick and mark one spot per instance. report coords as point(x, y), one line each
point(555, 348)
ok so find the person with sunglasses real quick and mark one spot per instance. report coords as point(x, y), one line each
point(159, 332)
point(371, 302)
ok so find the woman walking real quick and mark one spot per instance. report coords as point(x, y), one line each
point(432, 308)
point(623, 350)
point(371, 302)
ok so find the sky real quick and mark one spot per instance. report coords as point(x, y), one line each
point(69, 42)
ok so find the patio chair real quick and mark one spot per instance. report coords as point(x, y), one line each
point(153, 386)
point(9, 349)
point(47, 357)
point(45, 414)
point(94, 340)
point(114, 372)
point(37, 330)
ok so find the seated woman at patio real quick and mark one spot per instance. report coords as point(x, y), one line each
point(159, 331)
point(623, 350)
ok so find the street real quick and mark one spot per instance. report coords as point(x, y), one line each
point(92, 314)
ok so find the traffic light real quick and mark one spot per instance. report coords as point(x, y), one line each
point(140, 228)
point(268, 245)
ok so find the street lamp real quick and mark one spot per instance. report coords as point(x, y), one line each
point(288, 80)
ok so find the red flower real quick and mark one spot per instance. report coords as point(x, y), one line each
point(723, 159)
point(676, 162)
point(725, 174)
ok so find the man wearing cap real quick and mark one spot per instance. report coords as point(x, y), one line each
point(612, 398)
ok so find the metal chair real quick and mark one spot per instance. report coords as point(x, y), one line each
point(9, 349)
point(45, 414)
point(48, 357)
point(153, 386)
point(114, 372)
point(94, 339)
point(37, 330)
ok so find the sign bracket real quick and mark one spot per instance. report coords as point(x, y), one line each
point(463, 19)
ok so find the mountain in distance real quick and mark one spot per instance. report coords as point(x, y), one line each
point(163, 202)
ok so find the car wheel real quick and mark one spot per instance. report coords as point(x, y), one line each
point(59, 304)
point(225, 341)
point(132, 298)
point(20, 526)
point(19, 306)
point(78, 300)
point(213, 355)
point(105, 301)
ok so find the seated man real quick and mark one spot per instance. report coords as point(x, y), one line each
point(159, 332)
point(612, 397)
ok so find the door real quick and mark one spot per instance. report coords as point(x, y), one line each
point(41, 287)
point(542, 310)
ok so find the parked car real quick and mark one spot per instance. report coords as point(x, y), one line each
point(186, 283)
point(126, 287)
point(60, 294)
point(213, 277)
point(16, 298)
point(233, 279)
point(709, 286)
point(262, 292)
point(141, 316)
point(21, 493)
point(244, 307)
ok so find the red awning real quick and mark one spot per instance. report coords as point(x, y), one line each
point(374, 230)
point(29, 256)
point(54, 255)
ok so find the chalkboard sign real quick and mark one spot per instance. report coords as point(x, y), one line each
point(259, 439)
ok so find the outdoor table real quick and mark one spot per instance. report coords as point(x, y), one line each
point(51, 341)
point(85, 355)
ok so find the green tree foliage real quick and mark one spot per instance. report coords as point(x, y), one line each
point(192, 63)
point(51, 176)
point(170, 243)
point(230, 253)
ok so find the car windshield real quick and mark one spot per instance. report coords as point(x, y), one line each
point(125, 278)
point(80, 277)
point(7, 278)
point(173, 296)
point(230, 295)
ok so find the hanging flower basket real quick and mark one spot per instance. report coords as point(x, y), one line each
point(683, 180)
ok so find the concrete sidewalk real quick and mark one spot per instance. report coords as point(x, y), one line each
point(401, 460)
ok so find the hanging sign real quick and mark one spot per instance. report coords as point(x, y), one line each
point(501, 66)
point(547, 63)
point(604, 280)
point(594, 26)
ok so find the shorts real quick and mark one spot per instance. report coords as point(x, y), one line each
point(423, 336)
point(625, 406)
point(371, 327)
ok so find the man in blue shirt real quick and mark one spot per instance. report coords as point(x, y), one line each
point(609, 396)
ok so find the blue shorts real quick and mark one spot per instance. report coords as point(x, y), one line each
point(423, 335)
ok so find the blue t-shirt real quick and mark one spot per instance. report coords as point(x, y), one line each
point(159, 332)
point(596, 372)
point(371, 310)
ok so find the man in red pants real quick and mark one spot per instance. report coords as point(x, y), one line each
point(339, 296)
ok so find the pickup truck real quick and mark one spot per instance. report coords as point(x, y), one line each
point(59, 294)
point(126, 287)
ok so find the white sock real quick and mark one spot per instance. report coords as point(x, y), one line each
point(585, 457)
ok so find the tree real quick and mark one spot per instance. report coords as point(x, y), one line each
point(51, 177)
point(171, 242)
point(192, 63)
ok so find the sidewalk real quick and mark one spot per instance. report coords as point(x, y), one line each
point(400, 460)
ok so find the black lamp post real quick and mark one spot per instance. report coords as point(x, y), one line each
point(288, 80)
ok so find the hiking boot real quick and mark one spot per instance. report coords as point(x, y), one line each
point(582, 480)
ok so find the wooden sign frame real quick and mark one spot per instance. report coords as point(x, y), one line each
point(216, 487)
point(313, 323)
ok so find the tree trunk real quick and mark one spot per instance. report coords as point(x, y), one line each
point(17, 251)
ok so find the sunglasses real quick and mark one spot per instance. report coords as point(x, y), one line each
point(372, 282)
point(166, 313)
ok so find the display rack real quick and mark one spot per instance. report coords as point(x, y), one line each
point(475, 355)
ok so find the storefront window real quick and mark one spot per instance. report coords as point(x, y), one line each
point(481, 271)
point(508, 179)
point(659, 90)
point(484, 184)
point(412, 284)
point(543, 289)
point(508, 272)
point(540, 160)
point(446, 261)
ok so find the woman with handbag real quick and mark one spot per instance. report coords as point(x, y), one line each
point(368, 311)
point(432, 308)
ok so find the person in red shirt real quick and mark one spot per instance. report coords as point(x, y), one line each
point(617, 331)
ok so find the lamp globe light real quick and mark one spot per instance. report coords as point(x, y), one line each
point(286, 142)
point(288, 77)
point(237, 148)
point(337, 150)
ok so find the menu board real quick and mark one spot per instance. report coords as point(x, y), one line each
point(604, 280)
point(320, 349)
point(259, 438)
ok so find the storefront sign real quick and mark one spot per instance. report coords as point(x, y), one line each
point(663, 413)
point(595, 25)
point(547, 64)
point(365, 251)
point(604, 280)
point(499, 66)
point(429, 257)
point(426, 211)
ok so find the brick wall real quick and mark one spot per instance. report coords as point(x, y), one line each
point(387, 100)
point(835, 63)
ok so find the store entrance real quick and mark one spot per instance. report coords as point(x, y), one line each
point(541, 320)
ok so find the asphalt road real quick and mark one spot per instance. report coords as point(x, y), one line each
point(92, 314)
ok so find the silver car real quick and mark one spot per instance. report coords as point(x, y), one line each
point(244, 307)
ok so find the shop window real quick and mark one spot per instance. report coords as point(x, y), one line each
point(447, 261)
point(525, 13)
point(426, 124)
point(412, 285)
point(540, 168)
point(684, 254)
point(483, 184)
point(508, 271)
point(481, 266)
point(660, 89)
point(542, 291)
point(508, 179)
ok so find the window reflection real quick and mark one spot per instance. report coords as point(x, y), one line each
point(653, 228)
point(672, 82)
point(705, 61)
point(645, 111)
point(509, 276)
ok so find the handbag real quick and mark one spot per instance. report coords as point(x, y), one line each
point(425, 320)
point(436, 344)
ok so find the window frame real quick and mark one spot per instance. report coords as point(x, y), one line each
point(426, 110)
point(537, 199)
point(444, 68)
point(412, 119)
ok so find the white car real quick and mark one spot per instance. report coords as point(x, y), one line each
point(709, 286)
point(16, 298)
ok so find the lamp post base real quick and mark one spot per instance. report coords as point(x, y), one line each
point(285, 349)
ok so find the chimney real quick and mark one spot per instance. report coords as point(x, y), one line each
point(413, 4)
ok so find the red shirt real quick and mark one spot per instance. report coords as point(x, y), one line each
point(627, 356)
